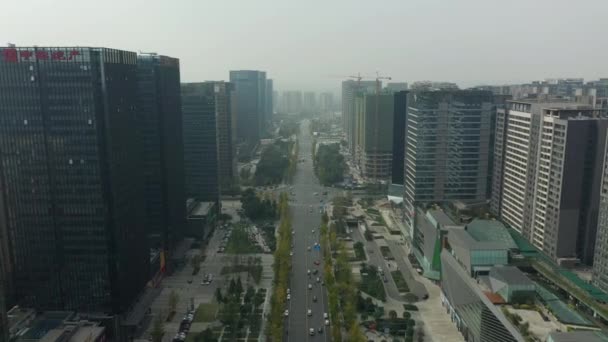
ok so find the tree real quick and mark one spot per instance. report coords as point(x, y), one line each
point(173, 300)
point(392, 314)
point(218, 295)
point(158, 329)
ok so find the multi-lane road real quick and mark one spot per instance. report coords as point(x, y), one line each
point(306, 218)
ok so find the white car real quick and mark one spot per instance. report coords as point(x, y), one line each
point(313, 231)
point(288, 291)
point(308, 271)
point(326, 322)
point(309, 313)
point(309, 287)
point(318, 280)
point(288, 296)
point(311, 331)
point(325, 315)
point(290, 253)
point(286, 313)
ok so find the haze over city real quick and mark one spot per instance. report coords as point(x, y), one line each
point(303, 171)
point(306, 44)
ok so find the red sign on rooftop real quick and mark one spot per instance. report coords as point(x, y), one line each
point(13, 55)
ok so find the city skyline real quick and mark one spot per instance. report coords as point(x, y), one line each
point(463, 35)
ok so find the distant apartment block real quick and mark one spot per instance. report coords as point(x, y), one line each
point(552, 157)
point(326, 103)
point(600, 261)
point(269, 102)
point(350, 89)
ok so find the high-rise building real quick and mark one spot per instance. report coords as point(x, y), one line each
point(250, 87)
point(551, 174)
point(399, 122)
point(600, 260)
point(349, 90)
point(396, 86)
point(292, 102)
point(224, 113)
point(275, 100)
point(200, 141)
point(310, 102)
point(160, 120)
point(269, 103)
point(326, 102)
point(71, 170)
point(447, 146)
point(374, 115)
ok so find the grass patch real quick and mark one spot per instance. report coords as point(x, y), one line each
point(206, 312)
point(371, 282)
point(255, 271)
point(239, 242)
point(359, 251)
point(400, 281)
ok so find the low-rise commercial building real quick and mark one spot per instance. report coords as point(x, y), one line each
point(475, 316)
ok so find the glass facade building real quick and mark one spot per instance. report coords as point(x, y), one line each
point(200, 141)
point(399, 122)
point(70, 164)
point(250, 86)
point(447, 146)
point(160, 122)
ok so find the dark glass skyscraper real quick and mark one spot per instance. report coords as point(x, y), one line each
point(70, 164)
point(160, 120)
point(250, 86)
point(200, 141)
point(400, 103)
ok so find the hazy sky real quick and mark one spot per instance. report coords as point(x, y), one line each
point(307, 44)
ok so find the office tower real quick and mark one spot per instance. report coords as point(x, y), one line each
point(200, 141)
point(310, 102)
point(396, 86)
point(399, 122)
point(160, 120)
point(71, 167)
point(224, 112)
point(292, 102)
point(250, 87)
point(551, 175)
point(326, 103)
point(374, 134)
point(269, 103)
point(349, 89)
point(447, 146)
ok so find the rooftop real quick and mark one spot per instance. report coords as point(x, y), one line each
point(201, 209)
point(441, 217)
point(578, 336)
point(463, 238)
point(491, 230)
point(510, 275)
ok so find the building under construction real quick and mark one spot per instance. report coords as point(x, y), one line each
point(373, 138)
